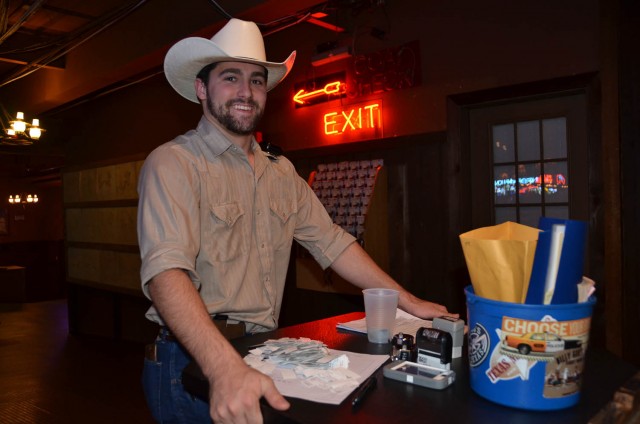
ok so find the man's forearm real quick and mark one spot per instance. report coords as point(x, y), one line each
point(180, 306)
point(357, 267)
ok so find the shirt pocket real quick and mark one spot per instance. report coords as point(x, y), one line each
point(226, 237)
point(283, 222)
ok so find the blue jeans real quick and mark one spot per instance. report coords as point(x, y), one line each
point(163, 389)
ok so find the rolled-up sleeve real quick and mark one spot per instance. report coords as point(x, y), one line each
point(168, 214)
point(316, 231)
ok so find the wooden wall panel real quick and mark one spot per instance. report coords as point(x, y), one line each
point(115, 225)
point(100, 215)
point(106, 183)
point(104, 268)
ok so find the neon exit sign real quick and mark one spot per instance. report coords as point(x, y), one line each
point(364, 119)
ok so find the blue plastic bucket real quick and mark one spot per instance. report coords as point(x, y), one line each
point(527, 356)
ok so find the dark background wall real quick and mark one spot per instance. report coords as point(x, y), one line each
point(35, 238)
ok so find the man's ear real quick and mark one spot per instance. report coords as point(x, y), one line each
point(201, 89)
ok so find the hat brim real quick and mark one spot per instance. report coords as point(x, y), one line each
point(188, 56)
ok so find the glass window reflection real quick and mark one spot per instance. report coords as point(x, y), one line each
point(503, 143)
point(528, 140)
point(529, 185)
point(530, 215)
point(556, 182)
point(554, 134)
point(509, 214)
point(504, 184)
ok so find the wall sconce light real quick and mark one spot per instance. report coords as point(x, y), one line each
point(22, 133)
point(23, 199)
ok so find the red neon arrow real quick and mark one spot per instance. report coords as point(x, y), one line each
point(331, 88)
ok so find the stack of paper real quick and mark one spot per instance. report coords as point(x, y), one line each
point(405, 323)
point(289, 353)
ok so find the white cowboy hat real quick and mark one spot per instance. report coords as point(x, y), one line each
point(237, 41)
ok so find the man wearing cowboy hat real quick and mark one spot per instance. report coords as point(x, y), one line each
point(216, 220)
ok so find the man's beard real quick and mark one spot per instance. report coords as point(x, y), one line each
point(223, 115)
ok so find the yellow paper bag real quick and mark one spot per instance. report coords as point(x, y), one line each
point(500, 259)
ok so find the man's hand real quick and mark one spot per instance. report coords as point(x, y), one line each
point(235, 389)
point(235, 394)
point(425, 309)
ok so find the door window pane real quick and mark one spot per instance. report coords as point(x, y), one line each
point(528, 140)
point(561, 212)
point(556, 184)
point(529, 185)
point(554, 135)
point(504, 184)
point(506, 214)
point(503, 143)
point(530, 215)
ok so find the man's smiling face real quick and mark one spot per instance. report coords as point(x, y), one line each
point(236, 95)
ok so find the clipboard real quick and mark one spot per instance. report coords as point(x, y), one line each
point(558, 263)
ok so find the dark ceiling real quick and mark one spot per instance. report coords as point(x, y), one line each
point(39, 33)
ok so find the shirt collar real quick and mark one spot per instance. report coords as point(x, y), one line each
point(218, 143)
point(214, 138)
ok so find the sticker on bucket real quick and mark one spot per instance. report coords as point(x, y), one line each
point(479, 345)
point(560, 346)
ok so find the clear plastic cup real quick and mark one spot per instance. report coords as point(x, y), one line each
point(380, 308)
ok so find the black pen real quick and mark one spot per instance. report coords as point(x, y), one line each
point(362, 392)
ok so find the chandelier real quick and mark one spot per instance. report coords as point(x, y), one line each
point(20, 132)
point(23, 199)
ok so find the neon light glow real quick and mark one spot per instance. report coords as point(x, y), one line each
point(552, 184)
point(335, 87)
point(358, 118)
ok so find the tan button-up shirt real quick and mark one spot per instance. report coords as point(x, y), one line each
point(205, 210)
